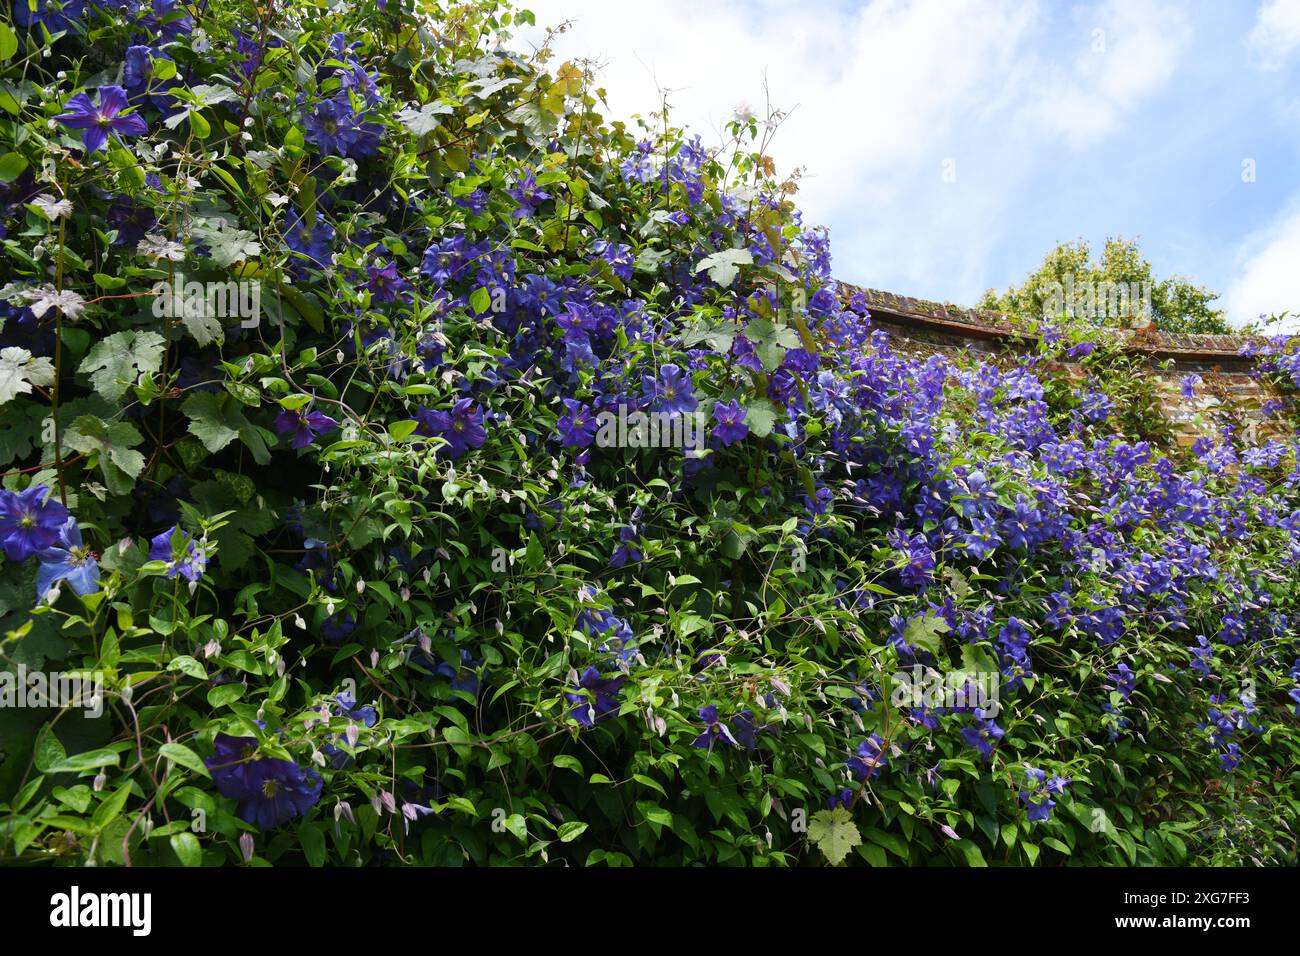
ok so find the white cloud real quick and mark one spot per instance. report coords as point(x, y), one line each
point(1268, 278)
point(1129, 50)
point(883, 92)
point(1276, 34)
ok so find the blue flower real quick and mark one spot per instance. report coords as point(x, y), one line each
point(56, 17)
point(730, 427)
point(97, 122)
point(672, 392)
point(843, 799)
point(67, 560)
point(303, 424)
point(595, 697)
point(338, 627)
point(628, 550)
point(312, 241)
point(385, 284)
point(577, 427)
point(1038, 797)
point(270, 792)
point(714, 730)
point(462, 427)
point(871, 757)
point(335, 127)
point(984, 736)
point(29, 522)
point(184, 558)
point(1230, 759)
point(527, 193)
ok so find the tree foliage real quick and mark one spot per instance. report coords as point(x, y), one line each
point(1174, 304)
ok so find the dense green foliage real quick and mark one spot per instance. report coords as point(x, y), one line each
point(365, 584)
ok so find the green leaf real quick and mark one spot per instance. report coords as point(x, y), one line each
point(568, 762)
point(78, 798)
point(227, 244)
point(217, 420)
point(718, 333)
point(116, 363)
point(724, 266)
point(890, 841)
point(91, 760)
point(761, 417)
point(925, 631)
point(771, 341)
point(655, 813)
point(186, 847)
point(425, 119)
point(20, 430)
point(186, 757)
point(571, 831)
point(313, 844)
point(224, 694)
point(516, 825)
point(199, 126)
point(107, 811)
point(19, 371)
point(49, 750)
point(8, 42)
point(114, 444)
point(403, 429)
point(834, 833)
point(11, 165)
point(1056, 844)
point(972, 852)
point(189, 666)
point(480, 300)
point(977, 660)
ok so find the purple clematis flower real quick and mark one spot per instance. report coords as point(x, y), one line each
point(29, 522)
point(55, 17)
point(385, 283)
point(98, 121)
point(1038, 798)
point(528, 194)
point(270, 792)
point(337, 627)
point(595, 697)
point(191, 561)
point(715, 731)
point(577, 427)
point(462, 427)
point(303, 424)
point(871, 757)
point(672, 391)
point(983, 737)
point(730, 427)
point(68, 559)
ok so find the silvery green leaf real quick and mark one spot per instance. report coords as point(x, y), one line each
point(724, 266)
point(20, 370)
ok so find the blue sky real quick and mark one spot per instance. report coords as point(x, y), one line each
point(1140, 118)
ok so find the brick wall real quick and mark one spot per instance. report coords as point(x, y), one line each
point(1229, 393)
